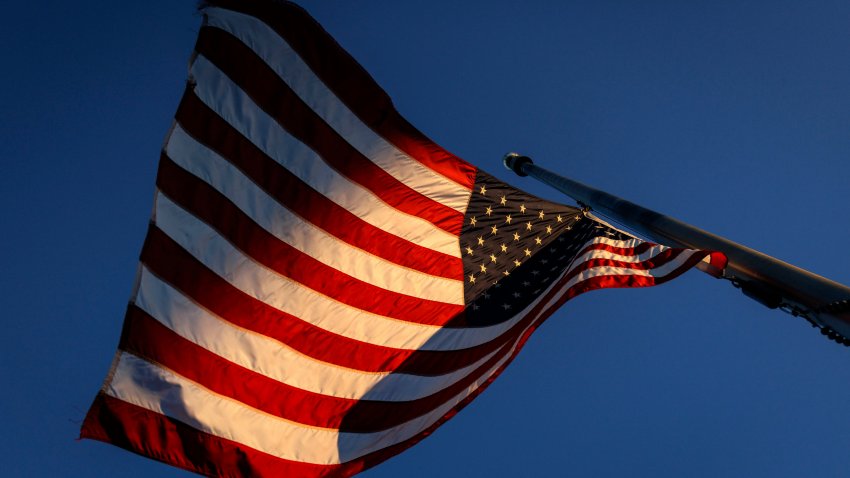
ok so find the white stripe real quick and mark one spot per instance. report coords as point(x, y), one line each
point(274, 50)
point(291, 297)
point(624, 244)
point(635, 258)
point(159, 390)
point(276, 360)
point(224, 97)
point(303, 235)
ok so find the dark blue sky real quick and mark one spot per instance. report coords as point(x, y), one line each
point(731, 115)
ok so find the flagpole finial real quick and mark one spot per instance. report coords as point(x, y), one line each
point(515, 162)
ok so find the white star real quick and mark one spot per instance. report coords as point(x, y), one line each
point(480, 240)
point(538, 241)
point(559, 218)
point(504, 248)
point(472, 220)
point(527, 252)
point(508, 219)
point(483, 268)
point(472, 278)
point(522, 208)
point(483, 190)
point(494, 229)
point(516, 236)
point(528, 226)
point(492, 258)
point(469, 250)
point(489, 210)
point(517, 263)
point(540, 214)
point(549, 229)
point(503, 201)
point(506, 306)
point(507, 273)
point(516, 295)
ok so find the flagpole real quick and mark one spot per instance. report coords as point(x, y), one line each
point(774, 283)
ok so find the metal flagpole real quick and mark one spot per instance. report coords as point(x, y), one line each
point(774, 283)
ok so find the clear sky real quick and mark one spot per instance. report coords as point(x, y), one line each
point(731, 115)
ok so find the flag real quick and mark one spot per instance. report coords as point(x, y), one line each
point(322, 286)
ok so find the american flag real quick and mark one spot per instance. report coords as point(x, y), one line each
point(321, 285)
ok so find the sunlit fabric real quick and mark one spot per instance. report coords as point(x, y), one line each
point(321, 285)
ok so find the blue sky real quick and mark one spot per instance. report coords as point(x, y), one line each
point(733, 116)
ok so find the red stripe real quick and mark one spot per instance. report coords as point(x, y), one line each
point(208, 128)
point(623, 251)
point(275, 97)
point(146, 337)
point(213, 208)
point(174, 265)
point(170, 441)
point(353, 85)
